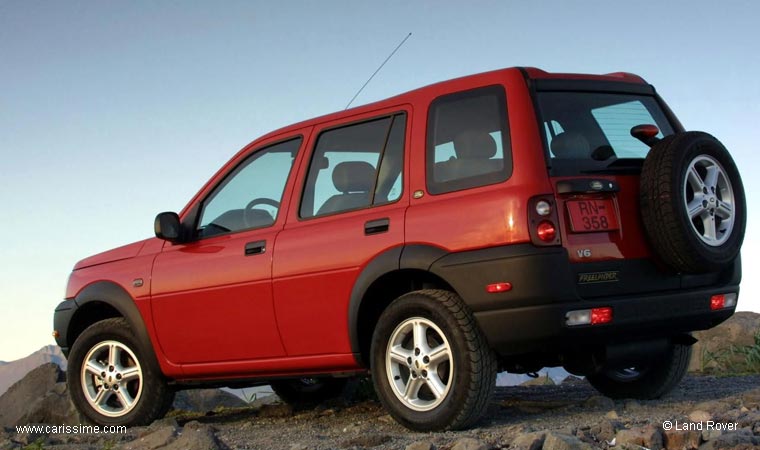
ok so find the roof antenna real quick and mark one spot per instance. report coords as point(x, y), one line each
point(378, 70)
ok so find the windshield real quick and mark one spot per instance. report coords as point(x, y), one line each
point(590, 132)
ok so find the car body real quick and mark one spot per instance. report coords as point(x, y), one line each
point(469, 193)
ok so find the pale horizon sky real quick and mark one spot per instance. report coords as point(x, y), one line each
point(111, 112)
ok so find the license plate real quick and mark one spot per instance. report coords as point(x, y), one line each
point(588, 216)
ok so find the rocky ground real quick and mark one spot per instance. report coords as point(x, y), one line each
point(564, 417)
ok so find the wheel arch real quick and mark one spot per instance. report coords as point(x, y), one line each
point(389, 275)
point(106, 299)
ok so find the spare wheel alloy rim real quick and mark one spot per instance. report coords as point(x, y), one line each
point(709, 200)
point(112, 378)
point(419, 364)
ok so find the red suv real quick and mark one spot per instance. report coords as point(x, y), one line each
point(510, 220)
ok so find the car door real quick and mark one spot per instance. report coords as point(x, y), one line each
point(212, 296)
point(351, 209)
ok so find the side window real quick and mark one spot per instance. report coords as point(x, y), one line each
point(468, 140)
point(249, 197)
point(355, 166)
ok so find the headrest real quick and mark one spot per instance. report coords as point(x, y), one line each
point(570, 145)
point(353, 176)
point(474, 145)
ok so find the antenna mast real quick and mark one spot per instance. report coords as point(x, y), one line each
point(376, 71)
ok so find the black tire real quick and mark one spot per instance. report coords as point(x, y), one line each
point(674, 236)
point(645, 382)
point(308, 391)
point(155, 396)
point(468, 389)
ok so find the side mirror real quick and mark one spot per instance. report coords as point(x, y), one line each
point(646, 133)
point(167, 226)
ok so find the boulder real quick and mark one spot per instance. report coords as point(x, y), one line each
point(529, 441)
point(196, 436)
point(420, 445)
point(204, 400)
point(681, 439)
point(468, 444)
point(40, 397)
point(738, 330)
point(557, 441)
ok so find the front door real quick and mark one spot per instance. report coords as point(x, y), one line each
point(212, 296)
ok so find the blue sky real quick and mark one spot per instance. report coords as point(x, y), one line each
point(113, 111)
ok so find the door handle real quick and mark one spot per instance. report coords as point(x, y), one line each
point(255, 248)
point(377, 226)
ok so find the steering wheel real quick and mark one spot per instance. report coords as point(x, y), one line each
point(248, 218)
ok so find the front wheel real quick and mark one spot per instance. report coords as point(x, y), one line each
point(431, 365)
point(646, 381)
point(111, 380)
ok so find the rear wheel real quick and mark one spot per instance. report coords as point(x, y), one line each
point(692, 203)
point(646, 381)
point(431, 365)
point(112, 381)
point(308, 391)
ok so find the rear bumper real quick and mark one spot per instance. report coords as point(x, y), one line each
point(531, 317)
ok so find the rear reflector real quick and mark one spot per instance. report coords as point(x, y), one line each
point(498, 287)
point(720, 301)
point(596, 316)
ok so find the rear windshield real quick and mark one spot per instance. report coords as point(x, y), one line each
point(590, 132)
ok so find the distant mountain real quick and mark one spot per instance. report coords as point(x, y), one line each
point(12, 371)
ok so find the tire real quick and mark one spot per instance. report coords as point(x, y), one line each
point(112, 348)
point(452, 389)
point(308, 391)
point(674, 172)
point(645, 382)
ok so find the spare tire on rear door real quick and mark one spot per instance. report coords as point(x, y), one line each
point(692, 203)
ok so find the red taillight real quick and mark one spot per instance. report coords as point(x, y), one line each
point(717, 302)
point(601, 315)
point(498, 287)
point(546, 231)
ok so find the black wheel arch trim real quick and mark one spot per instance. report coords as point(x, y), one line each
point(116, 297)
point(397, 258)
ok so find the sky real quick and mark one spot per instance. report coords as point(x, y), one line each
point(111, 112)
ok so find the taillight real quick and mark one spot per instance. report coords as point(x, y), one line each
point(546, 231)
point(721, 301)
point(543, 220)
point(595, 316)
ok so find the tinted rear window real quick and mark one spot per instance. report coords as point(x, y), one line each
point(591, 132)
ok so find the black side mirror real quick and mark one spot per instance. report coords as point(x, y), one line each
point(167, 226)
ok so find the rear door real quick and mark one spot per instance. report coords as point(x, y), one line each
point(595, 165)
point(349, 208)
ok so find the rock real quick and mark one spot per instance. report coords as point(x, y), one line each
point(599, 402)
point(276, 411)
point(196, 436)
point(751, 399)
point(556, 441)
point(612, 415)
point(738, 330)
point(649, 437)
point(633, 406)
point(606, 430)
point(367, 440)
point(529, 441)
point(39, 397)
point(540, 381)
point(700, 416)
point(420, 445)
point(159, 436)
point(203, 400)
point(468, 444)
point(708, 434)
point(298, 446)
point(739, 440)
point(681, 439)
point(713, 406)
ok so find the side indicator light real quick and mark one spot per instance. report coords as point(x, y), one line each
point(498, 287)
